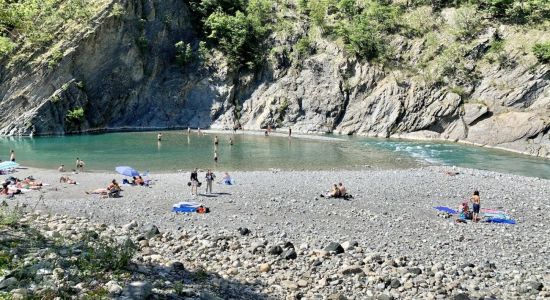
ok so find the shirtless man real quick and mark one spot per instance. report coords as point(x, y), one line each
point(476, 206)
point(159, 137)
point(12, 155)
point(342, 189)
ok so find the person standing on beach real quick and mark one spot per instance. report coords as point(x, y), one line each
point(289, 131)
point(12, 155)
point(476, 200)
point(194, 182)
point(209, 179)
point(79, 165)
point(188, 130)
point(159, 137)
point(199, 131)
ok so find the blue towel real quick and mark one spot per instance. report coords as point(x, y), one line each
point(185, 207)
point(446, 209)
point(500, 221)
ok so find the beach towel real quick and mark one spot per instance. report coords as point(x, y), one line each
point(446, 209)
point(185, 207)
point(488, 215)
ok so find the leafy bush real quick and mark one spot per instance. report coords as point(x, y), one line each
point(6, 46)
point(184, 53)
point(9, 216)
point(303, 48)
point(55, 58)
point(101, 255)
point(364, 35)
point(118, 10)
point(76, 115)
point(542, 51)
point(419, 21)
point(467, 22)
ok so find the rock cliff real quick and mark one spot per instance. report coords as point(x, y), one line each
point(121, 70)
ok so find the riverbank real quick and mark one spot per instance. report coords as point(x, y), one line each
point(390, 214)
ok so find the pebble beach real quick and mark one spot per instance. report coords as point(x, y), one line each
point(386, 243)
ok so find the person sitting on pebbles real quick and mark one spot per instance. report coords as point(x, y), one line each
point(333, 193)
point(67, 179)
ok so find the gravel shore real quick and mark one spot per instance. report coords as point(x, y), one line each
point(391, 214)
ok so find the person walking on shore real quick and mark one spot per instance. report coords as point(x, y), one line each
point(194, 182)
point(209, 179)
point(79, 165)
point(12, 155)
point(476, 200)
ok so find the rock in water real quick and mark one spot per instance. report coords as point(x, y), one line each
point(334, 247)
point(139, 290)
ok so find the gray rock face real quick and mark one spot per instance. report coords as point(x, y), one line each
point(123, 84)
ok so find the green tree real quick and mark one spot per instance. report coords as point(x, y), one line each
point(231, 34)
point(184, 53)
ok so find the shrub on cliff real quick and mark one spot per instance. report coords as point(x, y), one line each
point(542, 51)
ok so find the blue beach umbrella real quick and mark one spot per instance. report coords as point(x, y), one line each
point(127, 171)
point(8, 165)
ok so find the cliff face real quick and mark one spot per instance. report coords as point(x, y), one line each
point(121, 70)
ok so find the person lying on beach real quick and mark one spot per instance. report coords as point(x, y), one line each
point(66, 179)
point(5, 190)
point(29, 183)
point(113, 187)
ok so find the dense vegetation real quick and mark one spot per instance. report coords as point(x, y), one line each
point(247, 31)
point(30, 25)
point(364, 28)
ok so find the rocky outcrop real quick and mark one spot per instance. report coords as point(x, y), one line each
point(123, 73)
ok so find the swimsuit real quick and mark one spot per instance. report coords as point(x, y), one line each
point(476, 208)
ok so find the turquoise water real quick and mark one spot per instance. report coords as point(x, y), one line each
point(178, 151)
point(453, 154)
